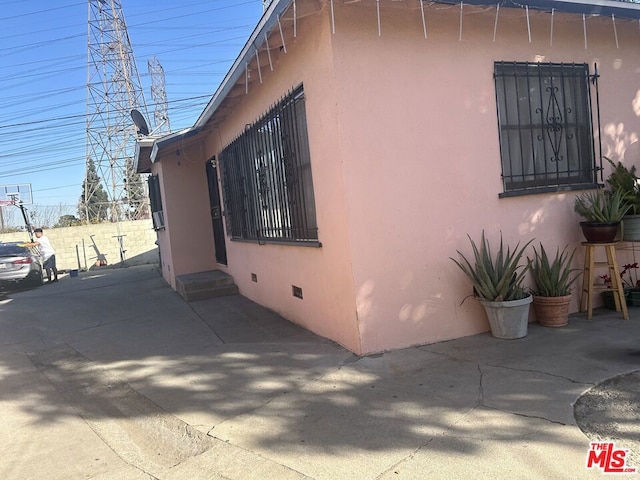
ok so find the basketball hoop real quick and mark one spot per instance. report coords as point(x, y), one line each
point(16, 195)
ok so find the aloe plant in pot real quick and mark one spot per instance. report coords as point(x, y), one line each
point(497, 283)
point(553, 279)
point(603, 210)
point(625, 179)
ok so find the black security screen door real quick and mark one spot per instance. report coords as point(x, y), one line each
point(216, 212)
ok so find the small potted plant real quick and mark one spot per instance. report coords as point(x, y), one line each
point(630, 284)
point(602, 210)
point(497, 283)
point(625, 179)
point(553, 279)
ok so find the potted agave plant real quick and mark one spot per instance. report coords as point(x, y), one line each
point(553, 279)
point(497, 283)
point(602, 210)
point(625, 179)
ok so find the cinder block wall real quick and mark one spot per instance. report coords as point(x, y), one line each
point(75, 249)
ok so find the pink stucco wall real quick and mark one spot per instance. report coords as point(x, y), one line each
point(405, 157)
point(419, 117)
point(419, 145)
point(186, 245)
point(324, 274)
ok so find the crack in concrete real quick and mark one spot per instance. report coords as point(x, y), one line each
point(577, 382)
point(297, 388)
point(541, 372)
point(524, 415)
point(412, 455)
point(480, 386)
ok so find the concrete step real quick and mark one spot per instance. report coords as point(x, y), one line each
point(201, 285)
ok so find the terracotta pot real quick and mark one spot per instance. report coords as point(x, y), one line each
point(595, 232)
point(552, 311)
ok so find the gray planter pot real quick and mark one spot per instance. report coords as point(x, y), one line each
point(508, 320)
point(631, 228)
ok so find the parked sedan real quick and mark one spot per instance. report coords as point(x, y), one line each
point(20, 264)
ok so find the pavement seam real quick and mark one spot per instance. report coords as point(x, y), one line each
point(205, 323)
point(481, 403)
point(255, 454)
point(481, 396)
point(84, 420)
point(411, 455)
point(55, 373)
point(454, 357)
point(529, 370)
point(349, 360)
point(535, 417)
point(297, 388)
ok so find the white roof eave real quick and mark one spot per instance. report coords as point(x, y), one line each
point(167, 139)
point(276, 8)
point(269, 19)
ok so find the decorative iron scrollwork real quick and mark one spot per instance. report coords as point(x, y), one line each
point(555, 123)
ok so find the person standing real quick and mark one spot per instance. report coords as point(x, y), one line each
point(48, 254)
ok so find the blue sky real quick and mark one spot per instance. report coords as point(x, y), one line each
point(43, 75)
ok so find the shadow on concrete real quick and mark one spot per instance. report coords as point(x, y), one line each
point(238, 372)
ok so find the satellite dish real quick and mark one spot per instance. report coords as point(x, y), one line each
point(141, 123)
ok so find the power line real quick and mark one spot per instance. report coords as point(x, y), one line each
point(84, 115)
point(42, 127)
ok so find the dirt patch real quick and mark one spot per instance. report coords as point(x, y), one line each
point(611, 411)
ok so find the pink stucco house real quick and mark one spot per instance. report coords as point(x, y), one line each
point(354, 144)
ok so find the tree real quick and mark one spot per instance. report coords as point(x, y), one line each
point(44, 216)
point(67, 221)
point(8, 218)
point(93, 206)
point(136, 193)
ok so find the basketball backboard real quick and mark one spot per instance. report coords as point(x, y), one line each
point(16, 194)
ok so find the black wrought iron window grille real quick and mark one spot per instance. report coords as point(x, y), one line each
point(266, 178)
point(545, 125)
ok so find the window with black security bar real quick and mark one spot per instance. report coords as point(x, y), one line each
point(546, 126)
point(266, 178)
point(157, 213)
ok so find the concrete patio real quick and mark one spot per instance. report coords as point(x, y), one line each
point(112, 374)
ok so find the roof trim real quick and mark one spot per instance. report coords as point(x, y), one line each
point(171, 138)
point(269, 19)
point(142, 143)
point(271, 16)
point(619, 8)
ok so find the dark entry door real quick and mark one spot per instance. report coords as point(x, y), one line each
point(216, 212)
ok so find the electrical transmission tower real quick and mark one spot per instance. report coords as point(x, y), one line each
point(113, 90)
point(159, 96)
